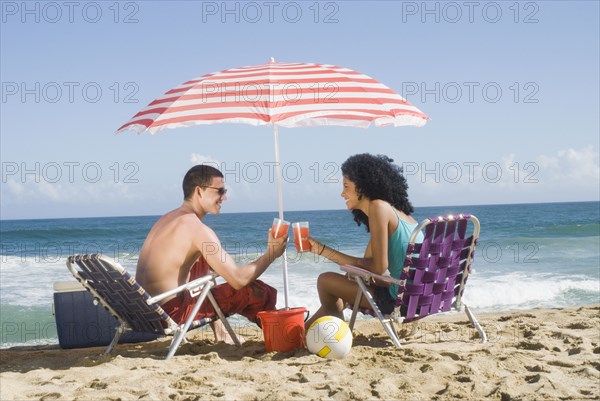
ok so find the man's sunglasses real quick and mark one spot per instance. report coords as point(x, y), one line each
point(222, 190)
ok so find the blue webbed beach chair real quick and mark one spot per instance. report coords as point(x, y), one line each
point(433, 278)
point(116, 290)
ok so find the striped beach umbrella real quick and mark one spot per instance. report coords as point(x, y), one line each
point(281, 95)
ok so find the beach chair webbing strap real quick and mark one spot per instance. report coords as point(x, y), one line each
point(124, 295)
point(434, 269)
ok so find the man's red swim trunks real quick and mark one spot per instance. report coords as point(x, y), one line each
point(248, 301)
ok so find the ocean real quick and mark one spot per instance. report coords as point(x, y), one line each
point(529, 255)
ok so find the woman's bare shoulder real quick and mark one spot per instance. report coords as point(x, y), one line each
point(384, 208)
point(380, 205)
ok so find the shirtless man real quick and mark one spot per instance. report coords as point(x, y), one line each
point(180, 248)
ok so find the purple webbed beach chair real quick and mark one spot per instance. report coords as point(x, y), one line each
point(434, 275)
point(117, 291)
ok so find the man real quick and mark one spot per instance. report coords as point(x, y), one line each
point(180, 248)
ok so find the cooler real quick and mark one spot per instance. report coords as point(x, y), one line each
point(80, 323)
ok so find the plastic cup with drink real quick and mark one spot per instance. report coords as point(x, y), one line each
point(280, 227)
point(300, 230)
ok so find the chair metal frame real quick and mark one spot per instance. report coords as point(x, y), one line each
point(444, 247)
point(98, 274)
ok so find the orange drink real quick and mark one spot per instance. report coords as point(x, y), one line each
point(280, 227)
point(301, 236)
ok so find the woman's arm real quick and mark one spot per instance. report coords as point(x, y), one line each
point(334, 255)
point(377, 250)
point(375, 258)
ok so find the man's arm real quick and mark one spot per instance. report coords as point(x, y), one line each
point(224, 265)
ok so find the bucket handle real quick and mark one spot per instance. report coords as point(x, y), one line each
point(307, 313)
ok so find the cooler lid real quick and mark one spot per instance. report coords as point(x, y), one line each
point(67, 286)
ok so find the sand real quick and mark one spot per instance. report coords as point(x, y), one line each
point(538, 354)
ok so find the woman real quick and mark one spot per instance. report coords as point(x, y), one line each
point(376, 192)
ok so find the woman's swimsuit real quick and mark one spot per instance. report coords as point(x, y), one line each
point(385, 297)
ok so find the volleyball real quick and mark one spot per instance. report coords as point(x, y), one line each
point(329, 337)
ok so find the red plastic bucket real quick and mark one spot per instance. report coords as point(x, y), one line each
point(283, 329)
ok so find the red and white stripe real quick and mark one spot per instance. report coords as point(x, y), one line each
point(282, 94)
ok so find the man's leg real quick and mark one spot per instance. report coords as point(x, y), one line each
point(199, 269)
point(248, 301)
point(221, 333)
point(258, 297)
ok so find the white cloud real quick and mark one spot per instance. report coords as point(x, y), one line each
point(15, 187)
point(50, 191)
point(566, 175)
point(571, 166)
point(196, 158)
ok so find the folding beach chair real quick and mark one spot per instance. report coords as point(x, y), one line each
point(434, 275)
point(126, 300)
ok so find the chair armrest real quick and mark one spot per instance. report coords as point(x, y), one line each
point(368, 275)
point(191, 286)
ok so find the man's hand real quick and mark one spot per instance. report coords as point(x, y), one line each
point(276, 246)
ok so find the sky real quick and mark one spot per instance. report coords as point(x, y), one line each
point(511, 89)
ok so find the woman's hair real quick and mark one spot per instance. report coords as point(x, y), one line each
point(198, 176)
point(376, 177)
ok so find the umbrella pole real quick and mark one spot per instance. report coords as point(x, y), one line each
point(280, 205)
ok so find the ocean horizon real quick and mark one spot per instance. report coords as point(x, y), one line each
point(299, 211)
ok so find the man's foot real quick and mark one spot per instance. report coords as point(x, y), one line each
point(221, 333)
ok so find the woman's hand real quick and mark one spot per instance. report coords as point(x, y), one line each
point(315, 246)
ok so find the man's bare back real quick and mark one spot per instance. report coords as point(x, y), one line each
point(169, 251)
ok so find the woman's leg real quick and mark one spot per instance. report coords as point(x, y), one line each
point(334, 291)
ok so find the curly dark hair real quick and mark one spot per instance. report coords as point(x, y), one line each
point(376, 177)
